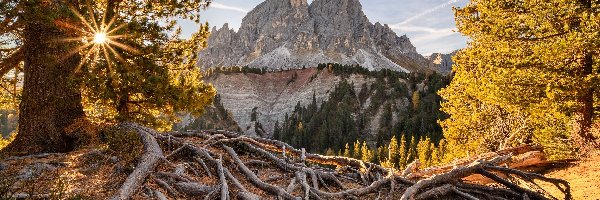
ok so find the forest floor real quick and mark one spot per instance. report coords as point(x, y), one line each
point(94, 173)
point(82, 174)
point(584, 177)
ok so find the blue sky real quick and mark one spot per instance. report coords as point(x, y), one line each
point(428, 23)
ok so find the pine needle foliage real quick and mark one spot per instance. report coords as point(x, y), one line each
point(528, 75)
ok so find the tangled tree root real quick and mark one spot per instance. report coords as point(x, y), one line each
point(224, 165)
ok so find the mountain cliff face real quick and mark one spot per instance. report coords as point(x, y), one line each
point(292, 34)
point(442, 62)
point(273, 95)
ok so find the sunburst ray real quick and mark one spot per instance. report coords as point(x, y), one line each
point(97, 38)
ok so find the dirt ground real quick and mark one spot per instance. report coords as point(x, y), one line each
point(584, 177)
point(82, 174)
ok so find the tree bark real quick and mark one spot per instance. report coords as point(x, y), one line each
point(583, 136)
point(51, 101)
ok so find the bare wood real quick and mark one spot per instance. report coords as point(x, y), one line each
point(148, 161)
point(193, 189)
point(247, 196)
point(257, 163)
point(453, 175)
point(159, 195)
point(176, 151)
point(192, 168)
point(411, 168)
point(224, 187)
point(355, 192)
point(255, 180)
point(449, 182)
point(175, 177)
point(313, 177)
point(277, 146)
point(180, 169)
point(301, 177)
point(292, 186)
point(199, 160)
point(166, 186)
point(522, 157)
point(464, 194)
point(213, 193)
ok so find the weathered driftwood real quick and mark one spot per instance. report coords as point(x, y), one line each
point(194, 189)
point(254, 179)
point(148, 161)
point(305, 176)
point(224, 187)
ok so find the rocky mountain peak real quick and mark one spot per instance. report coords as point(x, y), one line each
point(292, 34)
point(442, 62)
point(298, 3)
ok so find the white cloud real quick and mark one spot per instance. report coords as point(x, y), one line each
point(410, 28)
point(430, 37)
point(426, 12)
point(425, 34)
point(227, 7)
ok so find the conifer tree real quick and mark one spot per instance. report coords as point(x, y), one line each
point(416, 100)
point(120, 60)
point(424, 151)
point(330, 152)
point(382, 154)
point(347, 152)
point(367, 154)
point(412, 150)
point(529, 59)
point(357, 151)
point(393, 151)
point(402, 159)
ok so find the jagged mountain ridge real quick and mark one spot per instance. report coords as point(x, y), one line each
point(442, 62)
point(293, 34)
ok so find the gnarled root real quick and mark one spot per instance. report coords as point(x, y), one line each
point(232, 166)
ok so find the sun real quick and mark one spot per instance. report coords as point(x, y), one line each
point(100, 38)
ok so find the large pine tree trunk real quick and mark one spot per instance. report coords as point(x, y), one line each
point(50, 102)
point(582, 134)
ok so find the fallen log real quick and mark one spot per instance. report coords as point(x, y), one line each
point(525, 157)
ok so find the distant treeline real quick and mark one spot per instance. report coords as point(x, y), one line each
point(337, 69)
point(406, 105)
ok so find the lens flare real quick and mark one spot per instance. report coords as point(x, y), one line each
point(100, 38)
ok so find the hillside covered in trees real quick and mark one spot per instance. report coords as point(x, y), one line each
point(397, 104)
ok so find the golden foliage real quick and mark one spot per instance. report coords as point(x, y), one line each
point(520, 79)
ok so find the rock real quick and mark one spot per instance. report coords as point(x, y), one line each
point(94, 153)
point(35, 170)
point(442, 62)
point(20, 196)
point(272, 97)
point(114, 159)
point(292, 34)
